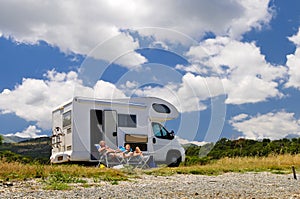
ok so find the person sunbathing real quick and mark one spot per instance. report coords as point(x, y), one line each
point(128, 152)
point(105, 148)
point(137, 152)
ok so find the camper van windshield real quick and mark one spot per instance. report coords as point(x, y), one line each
point(160, 131)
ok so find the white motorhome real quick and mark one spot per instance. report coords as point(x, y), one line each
point(82, 122)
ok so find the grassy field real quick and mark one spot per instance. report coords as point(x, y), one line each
point(280, 164)
point(15, 170)
point(57, 176)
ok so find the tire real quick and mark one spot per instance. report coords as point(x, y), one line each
point(173, 159)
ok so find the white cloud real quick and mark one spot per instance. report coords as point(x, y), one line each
point(295, 38)
point(255, 15)
point(250, 90)
point(78, 26)
point(31, 132)
point(72, 26)
point(35, 99)
point(246, 75)
point(271, 125)
point(187, 94)
point(184, 141)
point(239, 117)
point(129, 87)
point(106, 90)
point(293, 62)
point(232, 18)
point(120, 50)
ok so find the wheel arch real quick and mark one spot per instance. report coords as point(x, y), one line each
point(173, 158)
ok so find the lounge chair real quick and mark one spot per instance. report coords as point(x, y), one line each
point(139, 161)
point(103, 159)
point(109, 159)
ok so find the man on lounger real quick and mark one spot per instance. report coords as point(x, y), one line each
point(105, 148)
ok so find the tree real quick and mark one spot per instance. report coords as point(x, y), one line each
point(1, 139)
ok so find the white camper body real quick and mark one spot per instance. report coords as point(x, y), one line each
point(82, 122)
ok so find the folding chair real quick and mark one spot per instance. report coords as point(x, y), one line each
point(103, 159)
point(144, 163)
point(110, 159)
point(119, 158)
point(139, 161)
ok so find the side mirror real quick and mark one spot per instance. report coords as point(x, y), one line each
point(171, 135)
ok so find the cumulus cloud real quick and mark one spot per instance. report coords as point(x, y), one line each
point(78, 26)
point(120, 50)
point(35, 99)
point(293, 62)
point(194, 18)
point(271, 125)
point(75, 27)
point(106, 90)
point(187, 95)
point(31, 132)
point(246, 75)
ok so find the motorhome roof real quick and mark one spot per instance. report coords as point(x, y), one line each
point(63, 105)
point(108, 102)
point(138, 102)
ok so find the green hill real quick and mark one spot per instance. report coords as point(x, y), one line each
point(38, 148)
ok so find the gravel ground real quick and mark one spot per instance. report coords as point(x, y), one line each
point(229, 185)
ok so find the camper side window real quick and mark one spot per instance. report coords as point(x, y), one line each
point(161, 108)
point(67, 119)
point(127, 120)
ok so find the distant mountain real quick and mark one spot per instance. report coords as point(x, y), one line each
point(291, 136)
point(188, 143)
point(13, 139)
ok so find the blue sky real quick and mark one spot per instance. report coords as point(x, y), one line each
point(230, 67)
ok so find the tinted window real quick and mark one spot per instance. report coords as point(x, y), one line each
point(99, 116)
point(125, 120)
point(161, 108)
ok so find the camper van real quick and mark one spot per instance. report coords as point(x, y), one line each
point(82, 122)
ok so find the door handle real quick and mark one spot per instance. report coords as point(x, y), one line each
point(114, 134)
point(153, 140)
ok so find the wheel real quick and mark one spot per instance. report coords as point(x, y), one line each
point(174, 159)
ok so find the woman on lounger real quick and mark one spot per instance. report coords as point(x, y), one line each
point(137, 152)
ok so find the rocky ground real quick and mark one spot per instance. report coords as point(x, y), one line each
point(229, 185)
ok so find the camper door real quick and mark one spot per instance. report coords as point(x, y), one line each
point(110, 121)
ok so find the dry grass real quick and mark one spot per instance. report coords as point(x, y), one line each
point(275, 164)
